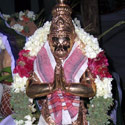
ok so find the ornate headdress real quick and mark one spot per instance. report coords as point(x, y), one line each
point(61, 22)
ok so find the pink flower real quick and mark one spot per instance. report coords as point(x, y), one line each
point(24, 64)
point(99, 66)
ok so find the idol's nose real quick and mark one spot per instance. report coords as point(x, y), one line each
point(61, 41)
point(59, 47)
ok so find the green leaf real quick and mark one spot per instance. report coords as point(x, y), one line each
point(6, 69)
point(99, 106)
point(10, 79)
point(107, 31)
point(74, 3)
point(6, 77)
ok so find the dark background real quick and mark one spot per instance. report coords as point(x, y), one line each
point(110, 12)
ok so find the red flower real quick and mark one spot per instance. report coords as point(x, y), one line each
point(24, 52)
point(26, 19)
point(24, 64)
point(22, 31)
point(99, 66)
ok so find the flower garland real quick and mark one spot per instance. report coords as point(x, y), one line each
point(22, 22)
point(97, 62)
point(24, 16)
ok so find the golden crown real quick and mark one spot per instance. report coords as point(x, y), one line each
point(62, 8)
point(61, 21)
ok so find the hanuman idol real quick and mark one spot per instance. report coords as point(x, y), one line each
point(61, 75)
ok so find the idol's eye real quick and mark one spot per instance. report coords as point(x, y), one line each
point(66, 38)
point(55, 39)
point(66, 41)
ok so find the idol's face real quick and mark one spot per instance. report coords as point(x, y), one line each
point(60, 46)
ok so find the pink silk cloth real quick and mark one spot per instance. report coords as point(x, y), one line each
point(63, 107)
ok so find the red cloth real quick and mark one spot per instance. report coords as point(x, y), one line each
point(61, 100)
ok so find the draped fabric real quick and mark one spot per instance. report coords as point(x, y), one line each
point(63, 107)
point(8, 121)
point(12, 40)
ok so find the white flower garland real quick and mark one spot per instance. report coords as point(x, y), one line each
point(36, 41)
point(17, 27)
point(29, 121)
point(19, 83)
point(6, 16)
point(29, 14)
point(91, 43)
point(103, 87)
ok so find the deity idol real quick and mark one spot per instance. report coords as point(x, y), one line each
point(61, 73)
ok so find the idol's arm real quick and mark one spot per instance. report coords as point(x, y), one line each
point(81, 90)
point(35, 88)
point(86, 88)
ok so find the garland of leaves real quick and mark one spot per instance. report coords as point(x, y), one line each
point(98, 111)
